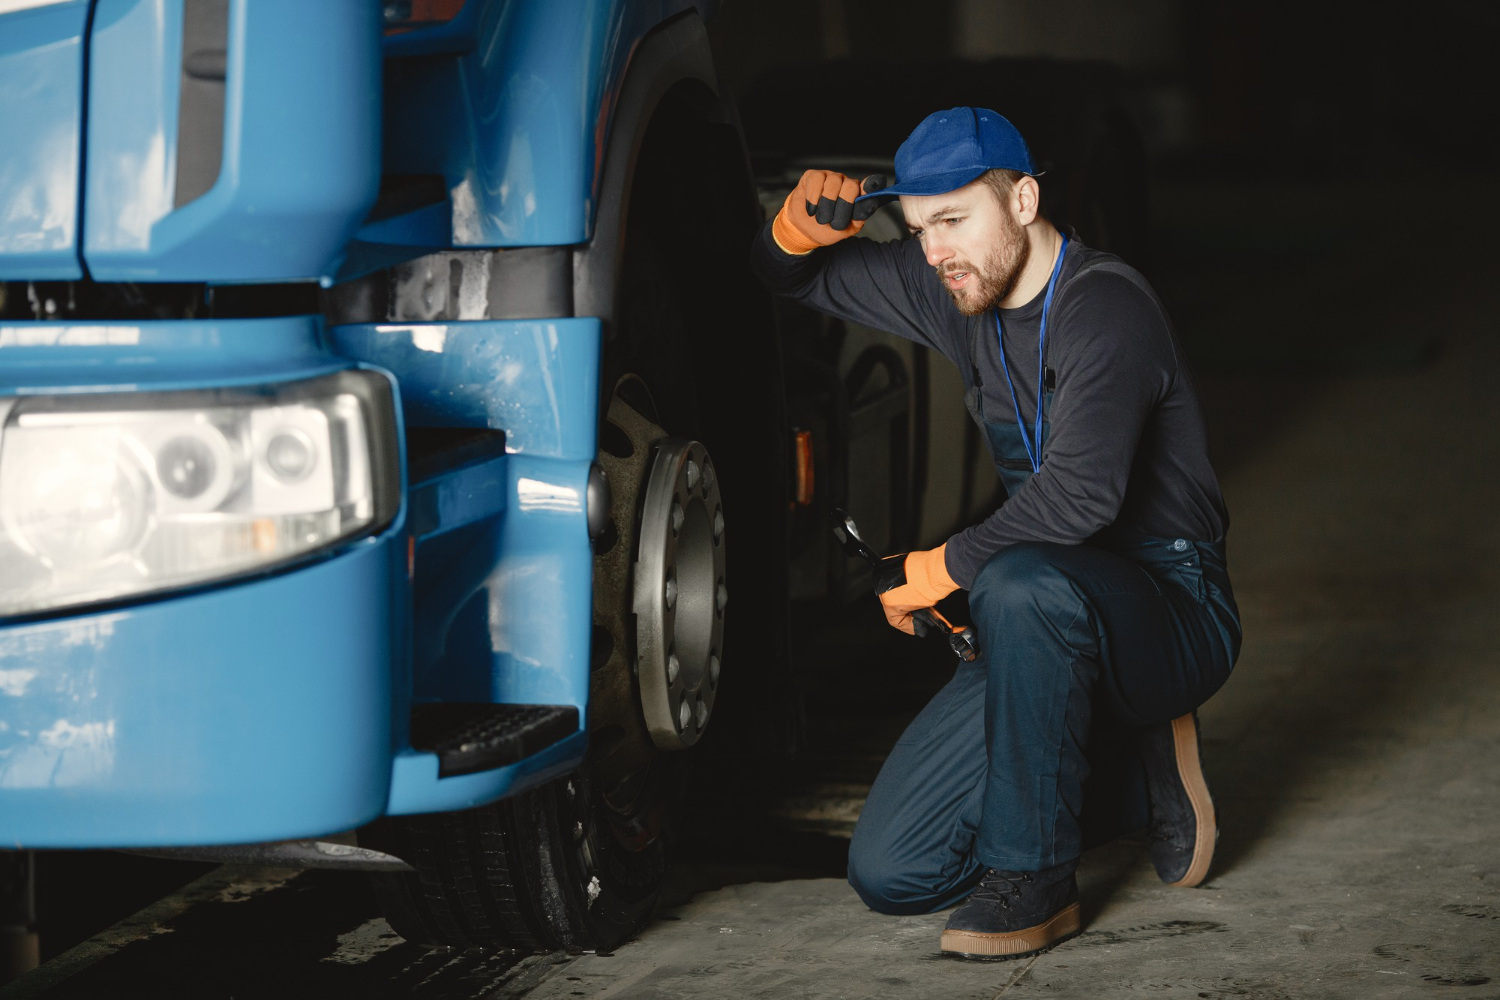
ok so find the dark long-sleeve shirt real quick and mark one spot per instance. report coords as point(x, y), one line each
point(1126, 448)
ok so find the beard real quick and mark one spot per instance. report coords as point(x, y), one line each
point(993, 281)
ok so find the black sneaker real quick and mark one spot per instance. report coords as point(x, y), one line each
point(1015, 914)
point(1182, 829)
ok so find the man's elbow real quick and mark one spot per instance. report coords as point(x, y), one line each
point(1091, 514)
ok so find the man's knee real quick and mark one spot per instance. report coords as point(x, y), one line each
point(888, 886)
point(886, 889)
point(1025, 578)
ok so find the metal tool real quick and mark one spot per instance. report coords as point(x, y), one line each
point(924, 620)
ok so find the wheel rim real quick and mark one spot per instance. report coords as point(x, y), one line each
point(680, 594)
point(623, 746)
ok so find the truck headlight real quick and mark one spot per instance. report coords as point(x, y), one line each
point(12, 6)
point(113, 495)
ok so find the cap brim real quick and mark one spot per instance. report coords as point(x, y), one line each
point(942, 183)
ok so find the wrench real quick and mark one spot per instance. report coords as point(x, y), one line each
point(962, 641)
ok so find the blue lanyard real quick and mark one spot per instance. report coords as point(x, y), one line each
point(1033, 442)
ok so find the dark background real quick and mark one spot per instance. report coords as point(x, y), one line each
point(1309, 90)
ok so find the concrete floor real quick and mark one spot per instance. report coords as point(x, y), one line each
point(1355, 754)
point(1348, 366)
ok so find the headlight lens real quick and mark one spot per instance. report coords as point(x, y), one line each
point(12, 6)
point(108, 496)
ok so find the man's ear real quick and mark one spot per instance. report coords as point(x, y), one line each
point(1026, 196)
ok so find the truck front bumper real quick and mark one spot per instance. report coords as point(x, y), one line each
point(255, 712)
point(277, 707)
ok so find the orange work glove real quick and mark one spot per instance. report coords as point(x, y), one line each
point(911, 582)
point(820, 211)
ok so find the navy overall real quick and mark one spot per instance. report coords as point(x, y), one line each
point(1027, 756)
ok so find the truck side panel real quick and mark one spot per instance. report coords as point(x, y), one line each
point(41, 90)
point(511, 105)
point(503, 567)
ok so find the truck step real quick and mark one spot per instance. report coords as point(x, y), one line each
point(469, 737)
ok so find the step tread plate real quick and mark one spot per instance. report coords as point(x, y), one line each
point(469, 737)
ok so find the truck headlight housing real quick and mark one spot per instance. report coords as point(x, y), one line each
point(109, 496)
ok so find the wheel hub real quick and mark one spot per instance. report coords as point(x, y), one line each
point(659, 529)
point(680, 594)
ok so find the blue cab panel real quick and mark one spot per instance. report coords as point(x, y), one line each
point(536, 380)
point(510, 104)
point(502, 601)
point(41, 90)
point(300, 146)
point(502, 610)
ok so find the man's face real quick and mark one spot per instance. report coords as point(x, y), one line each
point(973, 241)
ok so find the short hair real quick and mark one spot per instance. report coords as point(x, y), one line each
point(1003, 181)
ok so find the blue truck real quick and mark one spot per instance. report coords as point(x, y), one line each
point(354, 378)
point(382, 389)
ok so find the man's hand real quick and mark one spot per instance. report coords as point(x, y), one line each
point(820, 211)
point(910, 582)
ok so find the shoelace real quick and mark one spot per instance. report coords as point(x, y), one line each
point(991, 890)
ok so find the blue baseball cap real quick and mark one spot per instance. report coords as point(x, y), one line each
point(951, 148)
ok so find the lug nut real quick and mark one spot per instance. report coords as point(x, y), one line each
point(692, 474)
point(702, 713)
point(722, 597)
point(684, 715)
point(718, 525)
point(708, 478)
point(669, 592)
point(713, 671)
point(674, 667)
point(677, 518)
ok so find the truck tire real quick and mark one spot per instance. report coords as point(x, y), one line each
point(535, 872)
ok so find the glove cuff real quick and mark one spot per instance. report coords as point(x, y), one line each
point(927, 571)
point(787, 236)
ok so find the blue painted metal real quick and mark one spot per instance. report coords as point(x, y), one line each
point(160, 355)
point(514, 111)
point(302, 132)
point(502, 593)
point(502, 562)
point(41, 90)
point(248, 713)
point(502, 611)
point(537, 380)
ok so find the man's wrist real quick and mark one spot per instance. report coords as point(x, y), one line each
point(928, 571)
point(788, 238)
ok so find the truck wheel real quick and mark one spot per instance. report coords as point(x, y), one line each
point(539, 871)
point(577, 864)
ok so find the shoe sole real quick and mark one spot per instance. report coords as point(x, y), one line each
point(1063, 924)
point(1190, 769)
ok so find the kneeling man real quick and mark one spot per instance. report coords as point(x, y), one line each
point(1098, 589)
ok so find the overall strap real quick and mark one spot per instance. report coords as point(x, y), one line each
point(1108, 263)
point(1111, 264)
